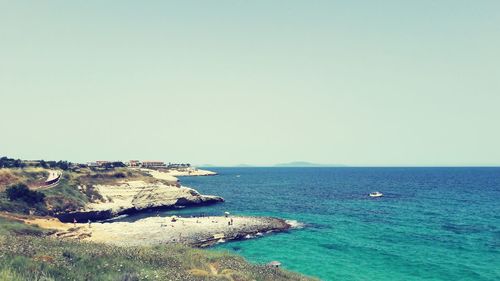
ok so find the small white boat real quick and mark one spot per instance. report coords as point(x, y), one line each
point(376, 194)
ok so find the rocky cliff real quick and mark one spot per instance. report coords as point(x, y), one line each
point(134, 196)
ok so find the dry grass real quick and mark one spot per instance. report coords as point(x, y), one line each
point(30, 176)
point(8, 177)
point(74, 191)
point(27, 254)
point(27, 257)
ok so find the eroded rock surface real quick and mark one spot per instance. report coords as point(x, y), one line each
point(200, 231)
point(134, 196)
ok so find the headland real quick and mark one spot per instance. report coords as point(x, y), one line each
point(78, 202)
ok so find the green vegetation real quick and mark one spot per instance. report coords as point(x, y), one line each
point(6, 162)
point(20, 192)
point(29, 255)
point(112, 165)
point(66, 196)
point(10, 226)
point(30, 175)
point(28, 252)
point(20, 206)
point(75, 188)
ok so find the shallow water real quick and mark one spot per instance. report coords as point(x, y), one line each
point(432, 223)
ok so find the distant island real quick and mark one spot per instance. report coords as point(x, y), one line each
point(297, 164)
point(306, 164)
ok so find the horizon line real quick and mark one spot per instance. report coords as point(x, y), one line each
point(350, 166)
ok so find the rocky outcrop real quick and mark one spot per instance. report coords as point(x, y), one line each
point(266, 225)
point(135, 196)
point(194, 231)
point(170, 175)
point(84, 216)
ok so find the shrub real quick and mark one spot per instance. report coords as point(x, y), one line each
point(61, 203)
point(7, 177)
point(120, 175)
point(129, 276)
point(23, 193)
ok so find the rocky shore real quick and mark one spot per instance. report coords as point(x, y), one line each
point(199, 232)
point(155, 190)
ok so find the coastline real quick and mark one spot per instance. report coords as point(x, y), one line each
point(198, 232)
point(135, 197)
point(173, 174)
point(131, 197)
point(81, 213)
point(146, 190)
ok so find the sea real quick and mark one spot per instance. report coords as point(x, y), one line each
point(431, 223)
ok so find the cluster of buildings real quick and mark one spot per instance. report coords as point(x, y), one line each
point(131, 163)
point(6, 162)
point(147, 164)
point(139, 164)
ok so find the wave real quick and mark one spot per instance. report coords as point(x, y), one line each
point(295, 224)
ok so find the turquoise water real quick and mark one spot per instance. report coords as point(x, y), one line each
point(432, 223)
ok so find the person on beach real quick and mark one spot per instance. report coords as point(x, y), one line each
point(90, 224)
point(74, 222)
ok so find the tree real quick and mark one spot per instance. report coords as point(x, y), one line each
point(119, 164)
point(64, 165)
point(20, 192)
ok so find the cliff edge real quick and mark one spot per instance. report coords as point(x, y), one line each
point(130, 197)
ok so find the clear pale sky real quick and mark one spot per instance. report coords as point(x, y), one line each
point(372, 83)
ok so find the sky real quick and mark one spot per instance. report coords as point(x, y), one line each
point(360, 83)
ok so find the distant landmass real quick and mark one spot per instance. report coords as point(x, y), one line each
point(306, 164)
point(222, 166)
point(289, 164)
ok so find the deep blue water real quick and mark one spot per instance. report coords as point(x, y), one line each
point(432, 223)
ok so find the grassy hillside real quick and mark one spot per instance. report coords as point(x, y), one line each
point(75, 189)
point(26, 254)
point(30, 176)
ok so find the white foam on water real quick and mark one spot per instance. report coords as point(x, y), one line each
point(295, 224)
